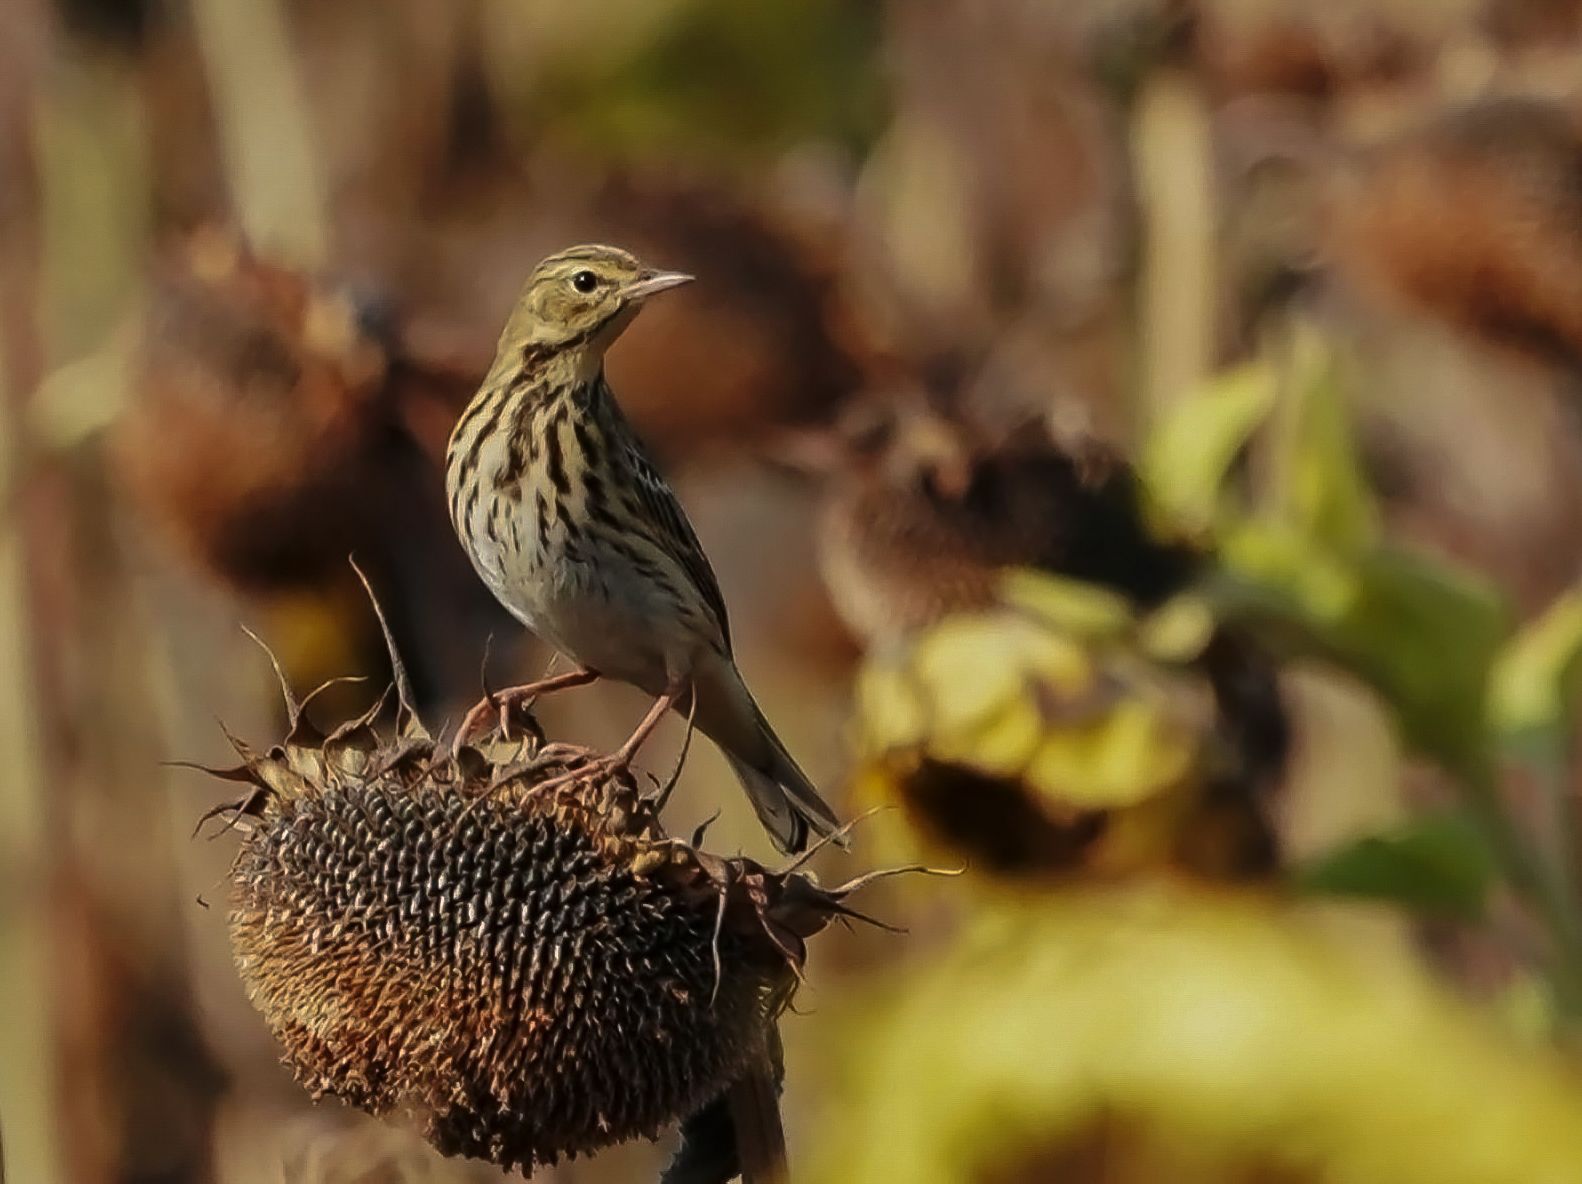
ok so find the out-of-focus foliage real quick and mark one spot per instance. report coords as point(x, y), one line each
point(1439, 864)
point(1164, 1032)
point(653, 96)
point(1424, 635)
point(1191, 451)
point(1302, 563)
point(1300, 549)
point(1171, 1028)
point(1317, 486)
point(1533, 695)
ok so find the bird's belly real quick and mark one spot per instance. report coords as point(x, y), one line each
point(606, 629)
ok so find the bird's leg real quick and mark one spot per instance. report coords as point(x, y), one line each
point(623, 755)
point(662, 799)
point(501, 701)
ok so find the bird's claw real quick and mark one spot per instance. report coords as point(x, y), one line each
point(559, 750)
point(499, 703)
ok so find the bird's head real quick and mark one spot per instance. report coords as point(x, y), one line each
point(580, 300)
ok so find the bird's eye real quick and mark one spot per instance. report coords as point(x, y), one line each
point(584, 281)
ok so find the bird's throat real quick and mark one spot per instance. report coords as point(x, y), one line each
point(584, 364)
point(576, 363)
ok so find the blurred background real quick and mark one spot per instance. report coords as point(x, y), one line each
point(1256, 325)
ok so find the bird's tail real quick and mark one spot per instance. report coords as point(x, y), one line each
point(785, 800)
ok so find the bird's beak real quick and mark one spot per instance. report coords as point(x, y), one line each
point(650, 282)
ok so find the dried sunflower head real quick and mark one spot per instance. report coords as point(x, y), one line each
point(259, 413)
point(926, 510)
point(505, 944)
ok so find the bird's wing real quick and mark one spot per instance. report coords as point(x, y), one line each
point(674, 534)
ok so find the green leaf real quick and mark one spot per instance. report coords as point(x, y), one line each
point(1322, 490)
point(1533, 691)
point(1430, 633)
point(1189, 455)
point(1438, 864)
point(1424, 634)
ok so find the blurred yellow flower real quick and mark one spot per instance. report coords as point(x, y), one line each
point(1166, 1032)
point(1040, 735)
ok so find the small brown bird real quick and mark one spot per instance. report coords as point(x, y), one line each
point(579, 537)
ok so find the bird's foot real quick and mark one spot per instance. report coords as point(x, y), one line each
point(589, 769)
point(502, 704)
point(498, 704)
point(620, 760)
